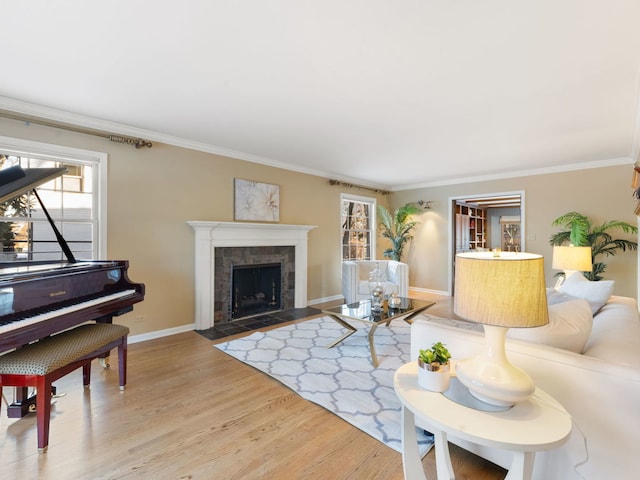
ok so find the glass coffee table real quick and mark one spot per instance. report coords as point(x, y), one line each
point(361, 312)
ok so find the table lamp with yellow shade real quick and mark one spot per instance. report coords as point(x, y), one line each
point(500, 292)
point(572, 260)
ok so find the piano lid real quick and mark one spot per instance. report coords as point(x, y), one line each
point(15, 181)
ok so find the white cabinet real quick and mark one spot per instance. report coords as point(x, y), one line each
point(470, 228)
point(462, 232)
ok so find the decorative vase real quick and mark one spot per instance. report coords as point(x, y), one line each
point(376, 289)
point(433, 376)
point(394, 300)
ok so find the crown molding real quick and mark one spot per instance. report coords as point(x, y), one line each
point(520, 173)
point(92, 125)
point(89, 125)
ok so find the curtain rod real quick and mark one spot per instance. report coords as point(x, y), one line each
point(352, 185)
point(136, 142)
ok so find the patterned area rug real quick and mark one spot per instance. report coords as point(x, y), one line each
point(340, 379)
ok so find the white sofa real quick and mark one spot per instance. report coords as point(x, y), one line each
point(599, 387)
point(355, 276)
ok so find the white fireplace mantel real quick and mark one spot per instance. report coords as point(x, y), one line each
point(209, 235)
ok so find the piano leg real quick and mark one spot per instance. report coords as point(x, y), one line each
point(24, 404)
point(103, 360)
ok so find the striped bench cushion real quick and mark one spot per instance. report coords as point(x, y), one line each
point(52, 353)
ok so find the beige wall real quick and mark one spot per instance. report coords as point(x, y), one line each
point(600, 193)
point(152, 193)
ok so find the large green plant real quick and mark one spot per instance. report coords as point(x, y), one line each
point(397, 227)
point(580, 232)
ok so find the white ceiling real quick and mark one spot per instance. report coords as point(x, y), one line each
point(386, 93)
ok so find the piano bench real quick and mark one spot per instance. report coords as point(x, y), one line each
point(41, 363)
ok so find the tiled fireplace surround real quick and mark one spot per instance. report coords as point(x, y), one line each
point(226, 258)
point(211, 242)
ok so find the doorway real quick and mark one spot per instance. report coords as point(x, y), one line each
point(485, 222)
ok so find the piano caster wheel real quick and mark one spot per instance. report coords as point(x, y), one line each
point(104, 362)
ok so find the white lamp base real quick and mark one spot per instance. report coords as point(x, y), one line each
point(490, 377)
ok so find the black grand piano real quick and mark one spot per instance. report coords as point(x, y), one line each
point(38, 299)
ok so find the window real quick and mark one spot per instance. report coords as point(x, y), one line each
point(358, 222)
point(73, 201)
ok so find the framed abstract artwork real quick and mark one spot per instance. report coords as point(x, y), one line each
point(256, 201)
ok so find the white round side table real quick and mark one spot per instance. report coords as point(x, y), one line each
point(536, 424)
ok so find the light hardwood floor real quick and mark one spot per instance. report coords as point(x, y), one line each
point(192, 412)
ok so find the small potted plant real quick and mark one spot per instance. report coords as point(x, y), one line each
point(434, 368)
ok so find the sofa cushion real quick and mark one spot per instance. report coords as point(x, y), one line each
point(554, 297)
point(615, 336)
point(596, 293)
point(569, 327)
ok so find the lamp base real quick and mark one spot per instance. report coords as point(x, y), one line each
point(460, 394)
point(490, 377)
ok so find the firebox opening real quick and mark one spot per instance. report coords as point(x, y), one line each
point(255, 289)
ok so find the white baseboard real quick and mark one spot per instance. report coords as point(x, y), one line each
point(316, 301)
point(191, 326)
point(142, 337)
point(427, 290)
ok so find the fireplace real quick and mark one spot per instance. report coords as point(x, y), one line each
point(211, 241)
point(255, 289)
point(245, 264)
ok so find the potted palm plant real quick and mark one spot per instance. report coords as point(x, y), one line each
point(434, 372)
point(397, 227)
point(580, 232)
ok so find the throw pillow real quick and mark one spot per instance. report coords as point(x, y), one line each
point(569, 327)
point(596, 293)
point(554, 297)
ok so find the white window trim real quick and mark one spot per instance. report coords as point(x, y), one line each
point(25, 148)
point(374, 220)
